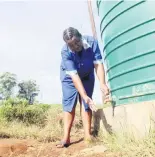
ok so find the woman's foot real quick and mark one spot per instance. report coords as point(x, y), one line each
point(63, 144)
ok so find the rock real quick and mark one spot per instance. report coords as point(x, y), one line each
point(9, 147)
point(18, 148)
point(5, 149)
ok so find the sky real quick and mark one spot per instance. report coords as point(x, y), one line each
point(31, 41)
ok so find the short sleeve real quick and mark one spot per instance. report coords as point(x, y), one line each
point(97, 53)
point(68, 63)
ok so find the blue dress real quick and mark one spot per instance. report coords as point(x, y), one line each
point(82, 64)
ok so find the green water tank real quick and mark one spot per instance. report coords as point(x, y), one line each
point(128, 33)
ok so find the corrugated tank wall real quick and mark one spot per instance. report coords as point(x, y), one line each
point(128, 32)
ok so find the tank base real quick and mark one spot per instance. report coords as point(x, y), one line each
point(136, 119)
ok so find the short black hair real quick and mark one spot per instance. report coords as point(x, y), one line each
point(71, 32)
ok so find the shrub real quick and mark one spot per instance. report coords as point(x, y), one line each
point(15, 101)
point(45, 107)
point(31, 114)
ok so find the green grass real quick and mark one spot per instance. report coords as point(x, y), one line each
point(18, 129)
point(51, 131)
point(122, 145)
point(126, 145)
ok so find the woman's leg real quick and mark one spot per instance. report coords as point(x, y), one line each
point(86, 118)
point(86, 111)
point(69, 102)
point(68, 121)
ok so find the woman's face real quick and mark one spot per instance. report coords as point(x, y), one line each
point(75, 44)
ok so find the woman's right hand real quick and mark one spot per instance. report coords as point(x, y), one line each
point(79, 86)
point(90, 103)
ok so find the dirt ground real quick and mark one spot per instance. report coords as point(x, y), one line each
point(32, 148)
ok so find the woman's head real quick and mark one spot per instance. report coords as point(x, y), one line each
point(73, 39)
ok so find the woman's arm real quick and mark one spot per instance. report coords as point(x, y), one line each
point(79, 86)
point(100, 72)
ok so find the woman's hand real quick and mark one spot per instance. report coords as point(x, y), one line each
point(90, 103)
point(104, 89)
point(106, 92)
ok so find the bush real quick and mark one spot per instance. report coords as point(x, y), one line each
point(15, 101)
point(45, 107)
point(49, 130)
point(32, 114)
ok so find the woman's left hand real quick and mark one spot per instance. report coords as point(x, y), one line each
point(104, 88)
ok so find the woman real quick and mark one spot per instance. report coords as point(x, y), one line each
point(80, 55)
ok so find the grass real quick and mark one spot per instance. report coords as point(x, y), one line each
point(122, 145)
point(20, 130)
point(126, 145)
point(50, 132)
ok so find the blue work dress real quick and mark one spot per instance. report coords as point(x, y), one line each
point(83, 64)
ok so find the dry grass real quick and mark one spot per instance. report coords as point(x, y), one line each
point(128, 146)
point(123, 144)
point(51, 132)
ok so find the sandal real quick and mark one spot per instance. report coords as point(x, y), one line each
point(62, 144)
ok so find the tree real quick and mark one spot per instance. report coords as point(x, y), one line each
point(7, 82)
point(28, 90)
